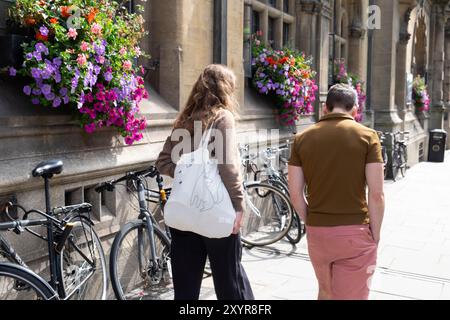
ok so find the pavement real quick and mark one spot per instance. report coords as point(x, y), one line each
point(413, 255)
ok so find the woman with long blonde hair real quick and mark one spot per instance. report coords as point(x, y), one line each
point(211, 104)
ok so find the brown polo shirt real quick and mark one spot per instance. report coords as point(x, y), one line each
point(333, 155)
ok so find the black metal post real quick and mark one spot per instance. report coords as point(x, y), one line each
point(220, 31)
point(51, 251)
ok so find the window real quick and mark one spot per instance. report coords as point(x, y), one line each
point(286, 34)
point(275, 21)
point(256, 22)
point(286, 6)
point(271, 32)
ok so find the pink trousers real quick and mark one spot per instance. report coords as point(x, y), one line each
point(344, 260)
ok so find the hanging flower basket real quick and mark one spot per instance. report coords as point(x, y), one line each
point(420, 95)
point(342, 76)
point(83, 57)
point(287, 77)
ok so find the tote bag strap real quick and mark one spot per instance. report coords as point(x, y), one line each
point(206, 137)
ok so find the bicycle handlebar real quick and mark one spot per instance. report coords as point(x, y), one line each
point(109, 186)
point(22, 224)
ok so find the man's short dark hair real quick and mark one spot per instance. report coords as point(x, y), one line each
point(341, 96)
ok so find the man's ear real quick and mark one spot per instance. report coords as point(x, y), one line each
point(325, 110)
point(355, 111)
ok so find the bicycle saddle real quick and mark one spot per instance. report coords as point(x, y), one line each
point(48, 168)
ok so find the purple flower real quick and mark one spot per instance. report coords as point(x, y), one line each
point(12, 72)
point(108, 76)
point(29, 56)
point(56, 102)
point(43, 30)
point(50, 96)
point(41, 48)
point(97, 69)
point(99, 49)
point(57, 62)
point(46, 89)
point(27, 90)
point(63, 91)
point(36, 73)
point(37, 55)
point(66, 99)
point(35, 101)
point(37, 91)
point(57, 77)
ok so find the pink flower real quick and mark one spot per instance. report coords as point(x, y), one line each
point(122, 51)
point(89, 128)
point(101, 60)
point(84, 46)
point(81, 59)
point(72, 33)
point(138, 51)
point(96, 29)
point(127, 65)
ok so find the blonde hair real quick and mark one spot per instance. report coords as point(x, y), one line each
point(213, 91)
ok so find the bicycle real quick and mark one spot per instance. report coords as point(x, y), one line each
point(278, 178)
point(382, 137)
point(76, 257)
point(140, 254)
point(268, 215)
point(399, 161)
point(399, 155)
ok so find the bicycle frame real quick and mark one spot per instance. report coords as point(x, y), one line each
point(151, 222)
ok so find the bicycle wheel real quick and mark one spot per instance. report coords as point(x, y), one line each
point(82, 264)
point(395, 165)
point(18, 283)
point(266, 219)
point(132, 274)
point(403, 161)
point(296, 231)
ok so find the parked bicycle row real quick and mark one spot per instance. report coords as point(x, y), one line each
point(140, 254)
point(394, 151)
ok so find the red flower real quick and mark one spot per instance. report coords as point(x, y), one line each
point(30, 21)
point(41, 37)
point(91, 16)
point(271, 61)
point(65, 11)
point(53, 21)
point(284, 60)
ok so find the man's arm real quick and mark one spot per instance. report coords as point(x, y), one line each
point(375, 182)
point(297, 191)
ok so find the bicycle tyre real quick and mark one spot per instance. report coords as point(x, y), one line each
point(95, 287)
point(41, 290)
point(267, 234)
point(133, 292)
point(296, 231)
point(404, 161)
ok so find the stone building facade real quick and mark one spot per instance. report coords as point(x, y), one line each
point(185, 36)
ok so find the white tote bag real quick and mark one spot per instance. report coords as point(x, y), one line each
point(199, 201)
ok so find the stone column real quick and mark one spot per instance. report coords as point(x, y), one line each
point(383, 62)
point(357, 57)
point(313, 18)
point(400, 87)
point(437, 65)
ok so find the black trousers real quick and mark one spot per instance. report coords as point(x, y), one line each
point(188, 258)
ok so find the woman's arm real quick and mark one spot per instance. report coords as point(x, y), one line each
point(229, 168)
point(164, 163)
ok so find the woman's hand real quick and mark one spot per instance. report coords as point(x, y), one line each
point(238, 222)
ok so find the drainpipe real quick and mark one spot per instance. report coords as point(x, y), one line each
point(220, 31)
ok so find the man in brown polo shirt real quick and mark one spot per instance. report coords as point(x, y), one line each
point(335, 160)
